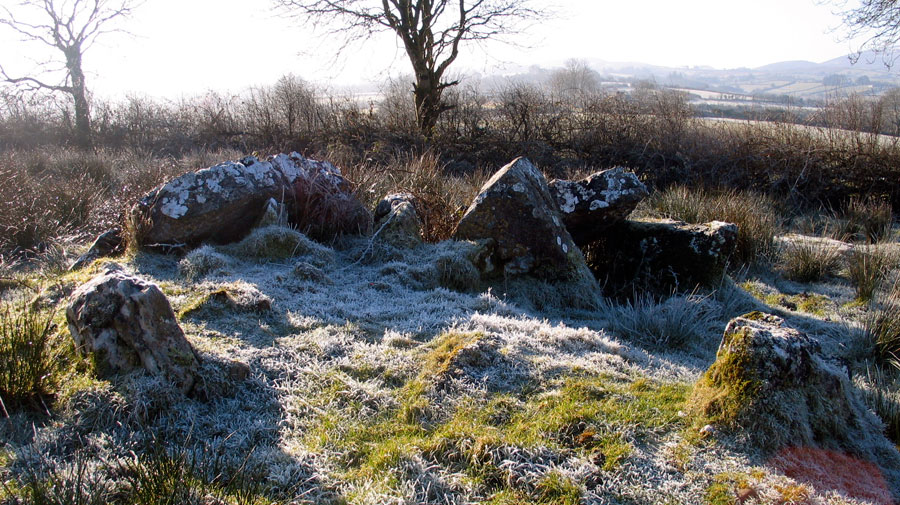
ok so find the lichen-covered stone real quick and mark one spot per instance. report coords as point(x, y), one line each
point(591, 205)
point(662, 255)
point(771, 388)
point(126, 323)
point(516, 211)
point(222, 203)
point(400, 227)
point(386, 204)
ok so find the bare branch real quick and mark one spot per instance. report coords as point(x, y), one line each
point(431, 32)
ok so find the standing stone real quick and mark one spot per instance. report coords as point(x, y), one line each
point(125, 323)
point(217, 204)
point(593, 204)
point(516, 211)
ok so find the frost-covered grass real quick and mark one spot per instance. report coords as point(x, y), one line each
point(385, 376)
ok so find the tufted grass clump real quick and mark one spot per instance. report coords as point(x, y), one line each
point(279, 242)
point(201, 262)
point(754, 214)
point(869, 220)
point(809, 260)
point(676, 322)
point(29, 356)
point(867, 268)
point(881, 395)
point(882, 329)
point(159, 475)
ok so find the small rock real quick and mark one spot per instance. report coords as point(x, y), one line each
point(400, 227)
point(109, 243)
point(238, 371)
point(274, 213)
point(308, 271)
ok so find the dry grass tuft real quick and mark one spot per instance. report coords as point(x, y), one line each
point(754, 214)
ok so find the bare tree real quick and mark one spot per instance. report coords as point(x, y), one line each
point(576, 78)
point(71, 27)
point(877, 23)
point(431, 32)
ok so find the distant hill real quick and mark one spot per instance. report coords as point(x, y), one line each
point(789, 66)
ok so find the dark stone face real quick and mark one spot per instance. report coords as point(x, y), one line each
point(660, 256)
point(517, 212)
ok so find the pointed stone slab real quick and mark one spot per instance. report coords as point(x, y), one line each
point(516, 211)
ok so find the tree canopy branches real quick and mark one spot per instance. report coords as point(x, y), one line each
point(71, 27)
point(431, 32)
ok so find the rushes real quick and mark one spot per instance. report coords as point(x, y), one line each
point(28, 359)
point(754, 214)
point(805, 260)
point(867, 268)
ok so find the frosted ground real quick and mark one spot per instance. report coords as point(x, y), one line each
point(338, 340)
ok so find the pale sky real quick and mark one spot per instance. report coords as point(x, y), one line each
point(184, 47)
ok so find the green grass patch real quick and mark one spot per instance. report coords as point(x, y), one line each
point(595, 416)
point(445, 348)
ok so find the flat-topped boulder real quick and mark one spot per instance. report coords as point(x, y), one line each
point(517, 213)
point(591, 205)
point(661, 255)
point(222, 203)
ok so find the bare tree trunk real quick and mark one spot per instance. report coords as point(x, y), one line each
point(79, 96)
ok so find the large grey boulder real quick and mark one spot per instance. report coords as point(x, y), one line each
point(517, 213)
point(591, 205)
point(126, 323)
point(661, 255)
point(222, 203)
point(771, 388)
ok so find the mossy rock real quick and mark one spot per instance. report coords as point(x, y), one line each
point(771, 388)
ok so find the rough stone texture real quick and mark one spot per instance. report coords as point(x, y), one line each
point(322, 204)
point(400, 227)
point(516, 211)
point(222, 203)
point(274, 214)
point(386, 204)
point(127, 323)
point(773, 389)
point(107, 244)
point(661, 255)
point(593, 204)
